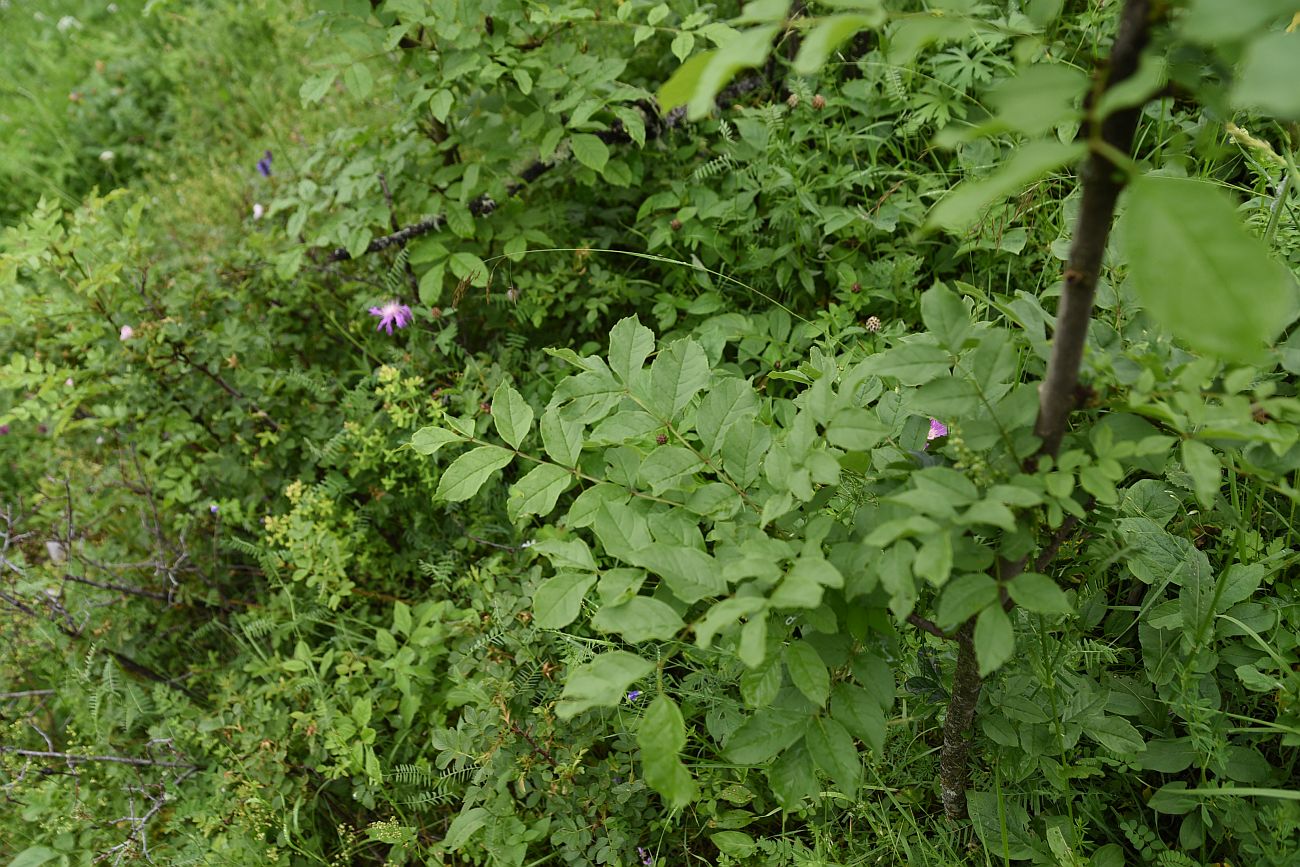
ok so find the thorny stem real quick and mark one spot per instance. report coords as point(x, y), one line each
point(1102, 181)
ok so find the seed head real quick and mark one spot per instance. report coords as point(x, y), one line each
point(819, 102)
point(873, 324)
point(792, 100)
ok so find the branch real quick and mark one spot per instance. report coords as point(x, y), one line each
point(1102, 183)
point(76, 759)
point(928, 626)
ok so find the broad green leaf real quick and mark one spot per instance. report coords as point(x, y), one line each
point(427, 440)
point(561, 437)
point(727, 402)
point(1199, 272)
point(623, 426)
point(1115, 734)
point(630, 344)
point(1034, 160)
point(808, 671)
point(641, 618)
point(440, 104)
point(765, 734)
point(681, 85)
point(620, 527)
point(559, 599)
point(677, 374)
point(855, 429)
point(934, 561)
point(745, 50)
point(995, 640)
point(567, 554)
point(464, 826)
point(315, 88)
point(467, 266)
point(791, 776)
point(828, 34)
point(744, 448)
point(911, 363)
point(753, 641)
point(536, 492)
point(661, 735)
point(1155, 555)
point(690, 573)
point(831, 747)
point(34, 856)
point(465, 475)
point(1217, 21)
point(803, 585)
point(1038, 98)
point(511, 414)
point(759, 686)
point(736, 844)
point(964, 597)
point(946, 317)
point(725, 613)
point(1203, 466)
point(590, 150)
point(601, 682)
point(669, 467)
point(1038, 593)
point(358, 80)
point(855, 709)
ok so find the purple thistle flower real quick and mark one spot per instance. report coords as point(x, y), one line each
point(264, 165)
point(646, 858)
point(392, 313)
point(634, 695)
point(4, 430)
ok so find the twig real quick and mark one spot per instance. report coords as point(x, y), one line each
point(927, 626)
point(76, 759)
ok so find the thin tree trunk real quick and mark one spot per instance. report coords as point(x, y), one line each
point(1102, 182)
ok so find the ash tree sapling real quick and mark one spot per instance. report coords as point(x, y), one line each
point(685, 501)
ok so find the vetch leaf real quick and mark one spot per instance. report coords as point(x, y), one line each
point(559, 599)
point(463, 478)
point(601, 682)
point(1200, 272)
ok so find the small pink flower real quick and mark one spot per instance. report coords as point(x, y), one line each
point(68, 382)
point(392, 313)
point(937, 429)
point(126, 333)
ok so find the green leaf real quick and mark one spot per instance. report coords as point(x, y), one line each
point(33, 856)
point(681, 85)
point(728, 401)
point(934, 561)
point(1217, 21)
point(683, 45)
point(911, 363)
point(765, 734)
point(561, 437)
point(463, 478)
point(831, 747)
point(828, 34)
point(669, 467)
point(677, 375)
point(808, 671)
point(511, 414)
point(964, 597)
point(1039, 594)
point(559, 599)
point(630, 344)
point(1034, 160)
point(536, 492)
point(759, 686)
point(1203, 466)
point(464, 826)
point(440, 104)
point(736, 844)
point(590, 151)
point(743, 449)
point(641, 618)
point(791, 777)
point(1199, 272)
point(1115, 734)
point(661, 736)
point(946, 317)
point(691, 574)
point(855, 429)
point(358, 80)
point(995, 641)
point(621, 528)
point(1038, 98)
point(602, 682)
point(725, 613)
point(315, 88)
point(855, 709)
point(427, 440)
point(745, 50)
point(467, 266)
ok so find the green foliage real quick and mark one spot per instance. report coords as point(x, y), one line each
point(714, 423)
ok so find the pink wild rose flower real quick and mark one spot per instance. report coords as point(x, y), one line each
point(937, 429)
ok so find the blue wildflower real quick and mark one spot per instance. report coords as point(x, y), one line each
point(264, 165)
